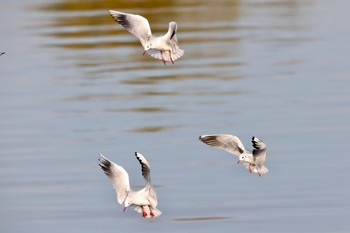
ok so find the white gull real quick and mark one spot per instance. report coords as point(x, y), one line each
point(164, 47)
point(145, 200)
point(252, 160)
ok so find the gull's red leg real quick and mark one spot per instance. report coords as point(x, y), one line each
point(250, 169)
point(171, 59)
point(164, 61)
point(150, 211)
point(144, 214)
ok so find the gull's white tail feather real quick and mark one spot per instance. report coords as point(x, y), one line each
point(166, 55)
point(178, 53)
point(263, 170)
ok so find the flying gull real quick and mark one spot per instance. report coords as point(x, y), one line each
point(254, 160)
point(164, 47)
point(145, 200)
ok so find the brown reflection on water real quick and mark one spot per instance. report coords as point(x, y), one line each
point(67, 5)
point(84, 19)
point(157, 79)
point(108, 59)
point(141, 109)
point(154, 129)
point(202, 218)
point(171, 78)
point(89, 97)
point(86, 25)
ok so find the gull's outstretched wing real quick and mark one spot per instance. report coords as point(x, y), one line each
point(135, 24)
point(145, 168)
point(176, 51)
point(230, 143)
point(258, 144)
point(118, 176)
point(146, 173)
point(259, 154)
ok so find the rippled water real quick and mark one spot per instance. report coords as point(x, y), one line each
point(74, 83)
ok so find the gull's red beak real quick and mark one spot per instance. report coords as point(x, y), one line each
point(124, 209)
point(238, 161)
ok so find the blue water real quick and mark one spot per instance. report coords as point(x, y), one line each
point(74, 84)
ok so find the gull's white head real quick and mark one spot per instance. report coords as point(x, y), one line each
point(245, 158)
point(148, 46)
point(242, 158)
point(127, 203)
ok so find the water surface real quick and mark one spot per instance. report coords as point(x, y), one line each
point(74, 84)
